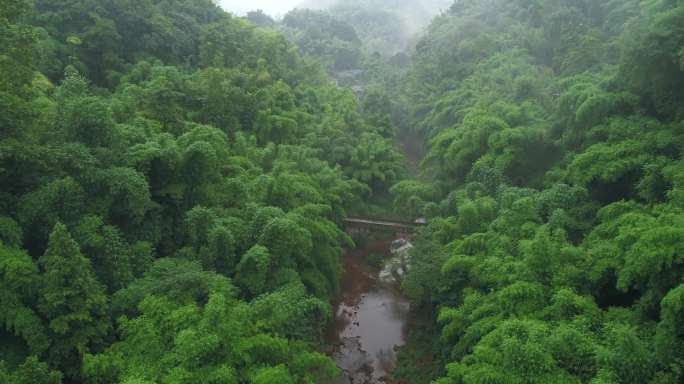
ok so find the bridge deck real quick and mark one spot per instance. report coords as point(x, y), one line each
point(381, 223)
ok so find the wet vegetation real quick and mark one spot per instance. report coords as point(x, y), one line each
point(174, 181)
point(555, 135)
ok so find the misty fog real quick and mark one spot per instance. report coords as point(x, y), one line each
point(385, 26)
point(275, 8)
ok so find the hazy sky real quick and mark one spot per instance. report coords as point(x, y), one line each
point(272, 7)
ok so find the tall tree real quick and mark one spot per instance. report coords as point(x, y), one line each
point(72, 301)
point(16, 66)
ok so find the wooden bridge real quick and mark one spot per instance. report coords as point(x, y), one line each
point(369, 223)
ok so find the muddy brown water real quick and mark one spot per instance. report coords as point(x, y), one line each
point(370, 323)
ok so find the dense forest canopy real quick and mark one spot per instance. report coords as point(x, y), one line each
point(174, 179)
point(555, 133)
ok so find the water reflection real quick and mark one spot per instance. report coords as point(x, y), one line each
point(370, 323)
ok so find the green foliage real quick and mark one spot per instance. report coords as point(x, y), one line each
point(375, 162)
point(115, 261)
point(555, 141)
point(290, 313)
point(20, 282)
point(184, 173)
point(151, 155)
point(10, 232)
point(329, 39)
point(58, 201)
point(657, 76)
point(17, 60)
point(413, 196)
point(253, 270)
point(182, 281)
point(71, 300)
point(214, 343)
point(31, 371)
